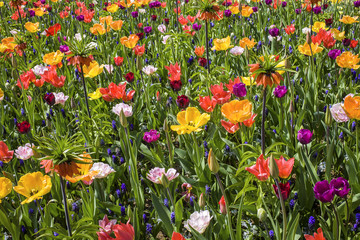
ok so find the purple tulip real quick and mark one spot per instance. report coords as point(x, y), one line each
point(268, 2)
point(357, 4)
point(135, 14)
point(255, 9)
point(227, 13)
point(334, 53)
point(80, 18)
point(304, 136)
point(64, 48)
point(317, 9)
point(298, 11)
point(239, 90)
point(283, 4)
point(280, 91)
point(323, 191)
point(340, 186)
point(32, 13)
point(346, 42)
point(147, 29)
point(274, 32)
point(151, 136)
point(155, 4)
point(196, 26)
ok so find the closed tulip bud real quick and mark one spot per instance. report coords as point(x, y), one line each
point(261, 214)
point(274, 170)
point(291, 108)
point(112, 198)
point(287, 63)
point(222, 205)
point(212, 162)
point(13, 61)
point(328, 118)
point(308, 38)
point(129, 212)
point(166, 126)
point(202, 201)
point(246, 52)
point(165, 181)
point(139, 63)
point(123, 120)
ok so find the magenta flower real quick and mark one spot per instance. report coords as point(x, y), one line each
point(323, 191)
point(239, 90)
point(280, 91)
point(340, 186)
point(151, 136)
point(334, 53)
point(304, 136)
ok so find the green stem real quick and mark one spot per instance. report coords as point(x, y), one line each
point(67, 218)
point(337, 222)
point(282, 208)
point(227, 207)
point(171, 197)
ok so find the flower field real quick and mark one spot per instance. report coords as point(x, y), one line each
point(186, 119)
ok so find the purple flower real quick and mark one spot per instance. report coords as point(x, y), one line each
point(32, 13)
point(298, 11)
point(80, 18)
point(151, 136)
point(64, 48)
point(304, 136)
point(227, 13)
point(334, 53)
point(317, 9)
point(255, 9)
point(196, 26)
point(280, 91)
point(340, 186)
point(239, 90)
point(147, 29)
point(283, 4)
point(268, 2)
point(155, 4)
point(323, 191)
point(357, 4)
point(135, 14)
point(274, 32)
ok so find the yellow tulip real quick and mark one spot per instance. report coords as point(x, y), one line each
point(33, 186)
point(32, 27)
point(1, 94)
point(248, 81)
point(53, 58)
point(7, 44)
point(305, 49)
point(113, 8)
point(1, 4)
point(93, 69)
point(348, 60)
point(348, 20)
point(246, 11)
point(40, 11)
point(5, 187)
point(234, 9)
point(246, 42)
point(98, 29)
point(95, 95)
point(190, 121)
point(237, 111)
point(129, 42)
point(116, 25)
point(108, 20)
point(222, 44)
point(317, 26)
point(337, 34)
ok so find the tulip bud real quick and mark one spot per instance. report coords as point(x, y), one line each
point(274, 170)
point(139, 63)
point(202, 201)
point(123, 120)
point(13, 61)
point(112, 198)
point(212, 162)
point(328, 118)
point(308, 38)
point(291, 108)
point(246, 52)
point(166, 126)
point(129, 212)
point(287, 63)
point(261, 214)
point(165, 181)
point(222, 204)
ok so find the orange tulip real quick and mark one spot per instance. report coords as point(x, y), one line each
point(108, 20)
point(98, 29)
point(116, 25)
point(207, 104)
point(130, 41)
point(352, 106)
point(230, 127)
point(285, 167)
point(139, 50)
point(260, 169)
point(246, 42)
point(249, 122)
point(237, 111)
point(317, 236)
point(199, 51)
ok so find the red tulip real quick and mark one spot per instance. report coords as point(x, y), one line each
point(177, 236)
point(23, 127)
point(5, 154)
point(124, 231)
point(285, 167)
point(222, 205)
point(260, 169)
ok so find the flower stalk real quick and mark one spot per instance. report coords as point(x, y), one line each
point(67, 218)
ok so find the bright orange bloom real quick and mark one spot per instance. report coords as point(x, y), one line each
point(177, 236)
point(174, 72)
point(53, 58)
point(260, 169)
point(285, 167)
point(269, 79)
point(64, 169)
point(232, 83)
point(116, 25)
point(237, 111)
point(130, 41)
point(290, 29)
point(85, 174)
point(246, 42)
point(25, 79)
point(191, 19)
point(183, 21)
point(230, 127)
point(246, 11)
point(5, 154)
point(348, 60)
point(139, 50)
point(220, 95)
point(51, 31)
point(106, 20)
point(317, 236)
point(114, 91)
point(352, 106)
point(207, 104)
point(98, 29)
point(7, 44)
point(51, 77)
point(199, 51)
